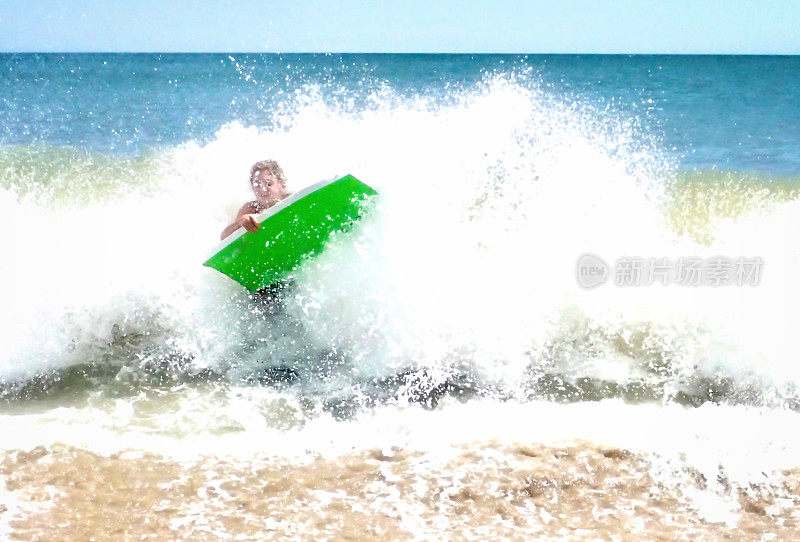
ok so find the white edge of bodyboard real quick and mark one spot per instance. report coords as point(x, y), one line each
point(283, 204)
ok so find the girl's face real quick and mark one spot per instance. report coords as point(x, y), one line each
point(267, 185)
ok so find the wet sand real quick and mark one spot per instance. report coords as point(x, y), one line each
point(481, 491)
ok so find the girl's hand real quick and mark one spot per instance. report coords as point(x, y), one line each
point(249, 223)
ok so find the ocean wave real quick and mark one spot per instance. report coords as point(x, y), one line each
point(461, 283)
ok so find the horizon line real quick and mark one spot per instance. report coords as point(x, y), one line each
point(399, 53)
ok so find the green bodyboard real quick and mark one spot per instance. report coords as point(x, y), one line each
point(291, 231)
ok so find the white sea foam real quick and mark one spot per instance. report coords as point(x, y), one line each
point(465, 265)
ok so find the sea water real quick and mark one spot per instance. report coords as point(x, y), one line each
point(439, 369)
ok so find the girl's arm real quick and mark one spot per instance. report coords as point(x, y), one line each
point(246, 218)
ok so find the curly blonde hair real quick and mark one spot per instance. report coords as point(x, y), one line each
point(270, 166)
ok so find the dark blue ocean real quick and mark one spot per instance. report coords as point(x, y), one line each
point(725, 112)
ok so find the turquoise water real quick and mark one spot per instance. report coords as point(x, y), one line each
point(735, 113)
point(121, 150)
point(502, 147)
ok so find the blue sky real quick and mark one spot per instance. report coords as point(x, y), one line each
point(474, 26)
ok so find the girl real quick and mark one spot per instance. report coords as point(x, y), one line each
point(269, 186)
